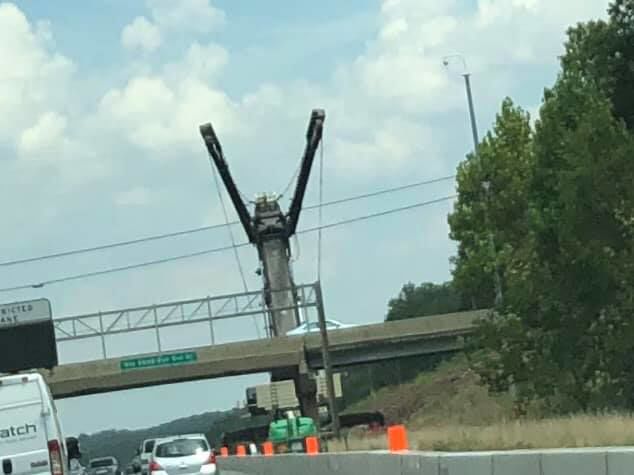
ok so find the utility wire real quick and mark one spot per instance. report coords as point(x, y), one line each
point(380, 192)
point(122, 268)
point(212, 226)
point(225, 248)
point(377, 215)
point(232, 238)
point(112, 245)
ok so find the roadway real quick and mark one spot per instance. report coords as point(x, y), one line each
point(416, 336)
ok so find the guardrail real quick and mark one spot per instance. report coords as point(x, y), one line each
point(588, 461)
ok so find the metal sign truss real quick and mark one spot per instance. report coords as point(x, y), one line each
point(185, 312)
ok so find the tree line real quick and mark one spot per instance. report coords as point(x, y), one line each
point(544, 223)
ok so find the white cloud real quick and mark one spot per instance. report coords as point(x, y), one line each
point(170, 16)
point(141, 34)
point(203, 62)
point(199, 16)
point(394, 144)
point(45, 135)
point(155, 114)
point(33, 79)
point(137, 196)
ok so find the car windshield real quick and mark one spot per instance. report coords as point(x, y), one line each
point(149, 446)
point(101, 463)
point(181, 448)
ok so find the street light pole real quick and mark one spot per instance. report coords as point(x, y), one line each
point(474, 127)
point(476, 141)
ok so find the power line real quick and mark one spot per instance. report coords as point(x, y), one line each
point(113, 245)
point(221, 249)
point(185, 232)
point(381, 192)
point(377, 215)
point(122, 268)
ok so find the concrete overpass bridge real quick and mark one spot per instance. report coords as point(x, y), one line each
point(369, 343)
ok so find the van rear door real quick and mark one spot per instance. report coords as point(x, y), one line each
point(23, 431)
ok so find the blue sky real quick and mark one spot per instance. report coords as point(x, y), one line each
point(100, 104)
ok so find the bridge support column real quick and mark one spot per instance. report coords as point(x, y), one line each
point(305, 388)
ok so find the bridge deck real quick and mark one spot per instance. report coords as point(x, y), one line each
point(355, 345)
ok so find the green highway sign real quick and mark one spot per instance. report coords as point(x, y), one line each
point(173, 359)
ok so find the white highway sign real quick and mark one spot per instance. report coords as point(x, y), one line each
point(24, 313)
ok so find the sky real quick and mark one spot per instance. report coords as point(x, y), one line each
point(100, 104)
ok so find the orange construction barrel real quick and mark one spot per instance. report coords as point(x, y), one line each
point(267, 449)
point(397, 438)
point(224, 452)
point(241, 451)
point(312, 445)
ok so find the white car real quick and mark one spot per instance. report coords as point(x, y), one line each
point(31, 438)
point(183, 455)
point(312, 327)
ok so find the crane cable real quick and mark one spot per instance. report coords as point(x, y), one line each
point(233, 240)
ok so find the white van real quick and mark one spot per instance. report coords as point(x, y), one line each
point(31, 438)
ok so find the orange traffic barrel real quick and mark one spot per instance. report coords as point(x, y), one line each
point(241, 451)
point(224, 452)
point(397, 438)
point(312, 445)
point(267, 449)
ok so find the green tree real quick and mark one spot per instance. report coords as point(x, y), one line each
point(602, 52)
point(490, 224)
point(425, 299)
point(568, 332)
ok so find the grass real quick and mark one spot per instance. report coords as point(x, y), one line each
point(572, 431)
point(450, 395)
point(449, 410)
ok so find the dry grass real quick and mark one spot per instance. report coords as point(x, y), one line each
point(450, 395)
point(450, 410)
point(573, 431)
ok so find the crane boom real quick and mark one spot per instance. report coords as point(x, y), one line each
point(313, 137)
point(215, 151)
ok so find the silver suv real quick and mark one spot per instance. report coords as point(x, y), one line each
point(188, 454)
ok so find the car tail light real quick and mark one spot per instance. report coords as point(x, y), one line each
point(55, 456)
point(212, 458)
point(154, 467)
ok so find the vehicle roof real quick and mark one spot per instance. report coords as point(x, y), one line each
point(28, 376)
point(171, 438)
